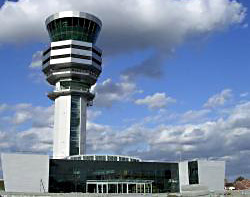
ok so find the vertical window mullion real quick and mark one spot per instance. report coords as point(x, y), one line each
point(72, 28)
point(60, 29)
point(83, 29)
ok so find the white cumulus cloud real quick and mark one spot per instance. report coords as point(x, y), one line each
point(226, 137)
point(194, 116)
point(219, 99)
point(157, 100)
point(109, 92)
point(36, 60)
point(163, 24)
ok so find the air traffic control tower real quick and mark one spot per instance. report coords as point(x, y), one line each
point(72, 65)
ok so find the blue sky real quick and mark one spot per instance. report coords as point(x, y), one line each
point(175, 84)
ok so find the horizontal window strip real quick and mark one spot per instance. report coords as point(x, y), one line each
point(74, 56)
point(60, 56)
point(45, 61)
point(81, 56)
point(71, 55)
point(77, 70)
point(84, 71)
point(61, 47)
point(72, 46)
point(81, 47)
point(45, 52)
point(96, 61)
point(97, 52)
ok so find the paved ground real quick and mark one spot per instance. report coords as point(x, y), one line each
point(244, 193)
point(11, 194)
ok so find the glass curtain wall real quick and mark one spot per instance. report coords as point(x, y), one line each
point(73, 28)
point(75, 120)
point(62, 177)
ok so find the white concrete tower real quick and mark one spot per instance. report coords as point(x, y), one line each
point(72, 64)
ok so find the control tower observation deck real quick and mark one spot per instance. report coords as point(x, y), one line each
point(72, 65)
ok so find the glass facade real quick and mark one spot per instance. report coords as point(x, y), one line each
point(73, 28)
point(75, 120)
point(75, 85)
point(119, 186)
point(73, 175)
point(193, 172)
point(104, 158)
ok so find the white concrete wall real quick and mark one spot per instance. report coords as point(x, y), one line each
point(71, 51)
point(61, 136)
point(183, 174)
point(66, 42)
point(25, 172)
point(212, 174)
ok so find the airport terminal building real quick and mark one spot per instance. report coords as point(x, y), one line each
point(72, 64)
point(107, 174)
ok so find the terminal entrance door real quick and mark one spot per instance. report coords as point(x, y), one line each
point(100, 188)
point(122, 187)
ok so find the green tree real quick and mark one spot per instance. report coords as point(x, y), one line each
point(240, 178)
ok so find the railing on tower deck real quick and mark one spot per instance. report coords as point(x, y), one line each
point(71, 70)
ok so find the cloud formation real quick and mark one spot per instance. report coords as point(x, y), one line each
point(26, 112)
point(194, 115)
point(219, 99)
point(157, 100)
point(36, 60)
point(109, 92)
point(150, 67)
point(162, 25)
point(27, 128)
point(226, 137)
point(137, 24)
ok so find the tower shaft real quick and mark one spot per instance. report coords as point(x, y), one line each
point(69, 126)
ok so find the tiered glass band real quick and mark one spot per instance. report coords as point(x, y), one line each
point(73, 28)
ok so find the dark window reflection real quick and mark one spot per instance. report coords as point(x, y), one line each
point(73, 28)
point(63, 176)
point(193, 172)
